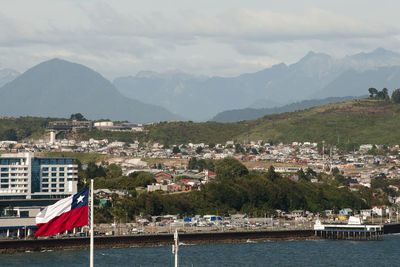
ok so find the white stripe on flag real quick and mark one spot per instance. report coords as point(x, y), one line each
point(54, 210)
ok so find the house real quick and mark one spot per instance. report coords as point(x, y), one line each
point(380, 210)
point(297, 213)
point(365, 213)
point(104, 193)
point(157, 187)
point(163, 177)
point(346, 212)
point(328, 213)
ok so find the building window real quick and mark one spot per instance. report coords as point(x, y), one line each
point(13, 174)
point(45, 174)
point(4, 186)
point(45, 190)
point(53, 190)
point(61, 174)
point(61, 185)
point(4, 175)
point(4, 180)
point(61, 169)
point(54, 180)
point(69, 174)
point(54, 169)
point(61, 190)
point(4, 169)
point(54, 174)
point(62, 179)
point(45, 180)
point(69, 168)
point(13, 169)
point(24, 214)
point(45, 185)
point(45, 169)
point(53, 185)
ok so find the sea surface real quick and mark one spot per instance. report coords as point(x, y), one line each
point(281, 253)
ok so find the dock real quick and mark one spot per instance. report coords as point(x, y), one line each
point(353, 230)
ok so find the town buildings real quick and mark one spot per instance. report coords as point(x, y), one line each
point(24, 176)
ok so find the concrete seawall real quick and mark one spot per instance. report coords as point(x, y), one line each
point(13, 246)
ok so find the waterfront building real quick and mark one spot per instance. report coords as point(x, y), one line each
point(26, 177)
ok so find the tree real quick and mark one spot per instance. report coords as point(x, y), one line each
point(396, 96)
point(93, 171)
point(10, 135)
point(372, 92)
point(113, 171)
point(385, 93)
point(302, 176)
point(199, 149)
point(271, 174)
point(229, 169)
point(78, 117)
point(176, 150)
point(335, 171)
point(192, 163)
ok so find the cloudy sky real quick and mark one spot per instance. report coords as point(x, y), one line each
point(207, 37)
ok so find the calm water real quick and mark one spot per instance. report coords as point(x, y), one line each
point(283, 253)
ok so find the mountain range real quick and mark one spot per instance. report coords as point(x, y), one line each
point(58, 88)
point(315, 76)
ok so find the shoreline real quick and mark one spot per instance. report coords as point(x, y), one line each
point(79, 243)
point(167, 239)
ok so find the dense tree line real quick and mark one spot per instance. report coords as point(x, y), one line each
point(384, 94)
point(239, 191)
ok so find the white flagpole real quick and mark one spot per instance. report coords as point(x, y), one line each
point(91, 225)
point(176, 248)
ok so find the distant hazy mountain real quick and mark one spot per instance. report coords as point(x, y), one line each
point(357, 83)
point(7, 75)
point(200, 98)
point(58, 88)
point(251, 113)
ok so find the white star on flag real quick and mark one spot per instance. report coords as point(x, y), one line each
point(80, 198)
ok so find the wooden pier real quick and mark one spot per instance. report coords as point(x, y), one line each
point(349, 234)
point(354, 230)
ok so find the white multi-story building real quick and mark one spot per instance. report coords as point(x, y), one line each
point(24, 176)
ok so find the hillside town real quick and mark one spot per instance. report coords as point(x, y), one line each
point(360, 165)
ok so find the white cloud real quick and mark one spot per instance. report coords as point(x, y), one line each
point(121, 37)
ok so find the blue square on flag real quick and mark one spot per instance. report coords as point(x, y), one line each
point(80, 199)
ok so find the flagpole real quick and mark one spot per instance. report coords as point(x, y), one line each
point(91, 225)
point(176, 247)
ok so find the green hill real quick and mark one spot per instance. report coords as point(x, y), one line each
point(356, 121)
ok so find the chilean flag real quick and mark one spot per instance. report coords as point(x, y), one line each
point(64, 215)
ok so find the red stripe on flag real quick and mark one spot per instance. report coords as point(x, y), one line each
point(66, 221)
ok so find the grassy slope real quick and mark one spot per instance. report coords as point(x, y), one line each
point(25, 127)
point(357, 121)
point(82, 157)
point(206, 132)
